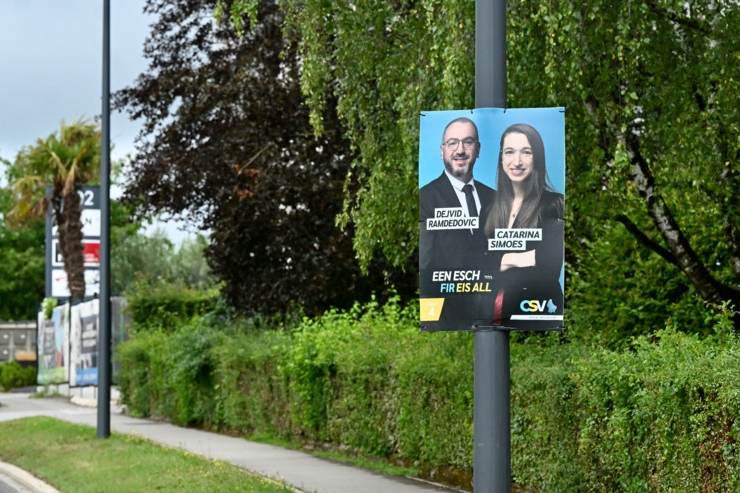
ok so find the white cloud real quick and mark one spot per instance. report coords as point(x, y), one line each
point(51, 60)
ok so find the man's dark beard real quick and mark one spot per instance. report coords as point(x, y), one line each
point(457, 173)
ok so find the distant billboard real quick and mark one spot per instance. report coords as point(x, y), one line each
point(67, 348)
point(84, 343)
point(53, 346)
point(56, 277)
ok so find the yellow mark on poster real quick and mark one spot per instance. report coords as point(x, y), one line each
point(430, 309)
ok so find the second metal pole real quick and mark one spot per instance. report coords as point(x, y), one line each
point(104, 319)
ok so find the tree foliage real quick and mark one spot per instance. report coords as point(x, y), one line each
point(226, 141)
point(651, 91)
point(652, 95)
point(64, 162)
point(154, 259)
point(22, 258)
point(384, 62)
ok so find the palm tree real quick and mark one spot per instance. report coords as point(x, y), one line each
point(64, 162)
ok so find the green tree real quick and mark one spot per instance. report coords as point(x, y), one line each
point(227, 141)
point(651, 92)
point(22, 252)
point(384, 62)
point(22, 258)
point(190, 263)
point(153, 259)
point(64, 162)
point(140, 256)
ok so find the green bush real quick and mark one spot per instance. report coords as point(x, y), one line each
point(435, 412)
point(350, 378)
point(656, 416)
point(190, 368)
point(544, 428)
point(13, 375)
point(252, 396)
point(143, 374)
point(660, 417)
point(166, 305)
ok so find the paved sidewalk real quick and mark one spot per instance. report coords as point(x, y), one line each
point(305, 472)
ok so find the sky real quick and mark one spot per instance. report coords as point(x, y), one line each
point(51, 62)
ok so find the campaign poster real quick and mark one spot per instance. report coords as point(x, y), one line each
point(84, 343)
point(52, 346)
point(491, 226)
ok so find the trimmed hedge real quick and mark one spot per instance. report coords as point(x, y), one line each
point(659, 416)
point(366, 378)
point(13, 375)
point(166, 306)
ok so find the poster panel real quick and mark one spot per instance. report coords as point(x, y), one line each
point(84, 343)
point(90, 254)
point(52, 346)
point(491, 254)
point(56, 278)
point(60, 289)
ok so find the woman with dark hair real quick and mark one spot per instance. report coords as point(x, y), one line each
point(525, 266)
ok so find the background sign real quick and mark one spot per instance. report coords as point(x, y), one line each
point(56, 277)
point(67, 348)
point(84, 343)
point(90, 251)
point(511, 273)
point(52, 347)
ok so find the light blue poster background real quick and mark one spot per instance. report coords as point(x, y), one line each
point(491, 123)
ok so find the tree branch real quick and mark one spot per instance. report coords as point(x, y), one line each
point(643, 239)
point(689, 22)
point(729, 222)
point(709, 288)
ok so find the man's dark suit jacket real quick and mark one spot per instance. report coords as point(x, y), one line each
point(449, 250)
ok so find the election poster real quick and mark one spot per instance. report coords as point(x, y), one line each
point(51, 346)
point(84, 343)
point(491, 226)
point(68, 342)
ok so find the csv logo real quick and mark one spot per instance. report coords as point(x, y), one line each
point(538, 306)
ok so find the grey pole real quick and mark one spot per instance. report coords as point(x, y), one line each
point(492, 407)
point(104, 322)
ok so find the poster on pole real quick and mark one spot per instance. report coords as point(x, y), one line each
point(52, 346)
point(84, 343)
point(491, 226)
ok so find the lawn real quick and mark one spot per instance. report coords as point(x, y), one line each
point(72, 459)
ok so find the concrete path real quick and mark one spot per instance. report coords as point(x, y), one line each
point(305, 472)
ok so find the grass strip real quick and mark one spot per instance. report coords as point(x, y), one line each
point(380, 465)
point(72, 459)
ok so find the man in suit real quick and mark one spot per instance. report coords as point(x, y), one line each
point(445, 245)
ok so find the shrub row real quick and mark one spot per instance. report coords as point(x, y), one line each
point(13, 375)
point(367, 379)
point(163, 305)
point(659, 416)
